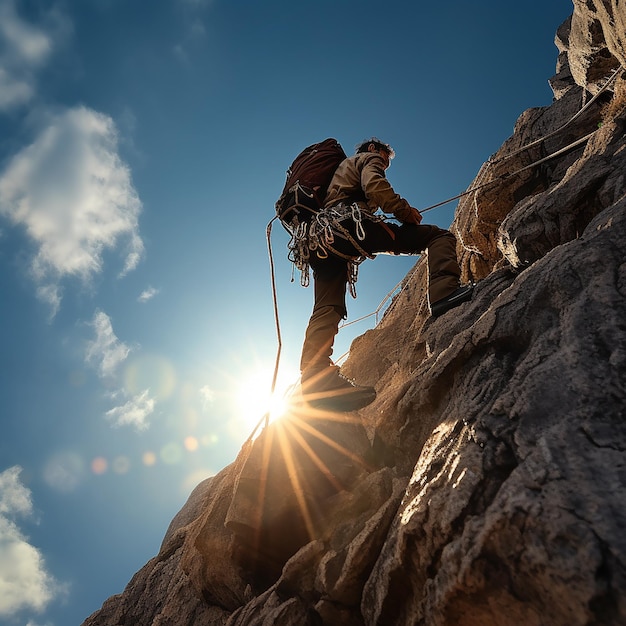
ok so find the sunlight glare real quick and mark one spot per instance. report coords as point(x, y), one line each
point(254, 398)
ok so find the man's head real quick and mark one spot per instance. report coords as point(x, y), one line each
point(376, 145)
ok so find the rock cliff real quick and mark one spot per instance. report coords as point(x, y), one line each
point(487, 483)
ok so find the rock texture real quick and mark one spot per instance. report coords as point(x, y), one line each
point(487, 483)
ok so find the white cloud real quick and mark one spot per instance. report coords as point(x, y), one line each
point(14, 497)
point(25, 583)
point(74, 196)
point(27, 42)
point(147, 294)
point(106, 351)
point(25, 48)
point(107, 354)
point(135, 412)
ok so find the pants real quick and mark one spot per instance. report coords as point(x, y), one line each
point(330, 279)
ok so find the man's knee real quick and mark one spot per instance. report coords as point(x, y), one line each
point(342, 311)
point(443, 234)
point(414, 238)
point(326, 310)
point(444, 241)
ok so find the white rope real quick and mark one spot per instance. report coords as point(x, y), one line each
point(530, 145)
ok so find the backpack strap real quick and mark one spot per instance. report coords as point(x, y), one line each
point(297, 205)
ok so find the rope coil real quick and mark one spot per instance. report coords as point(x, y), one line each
point(319, 235)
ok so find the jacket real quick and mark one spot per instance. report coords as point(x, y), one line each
point(361, 178)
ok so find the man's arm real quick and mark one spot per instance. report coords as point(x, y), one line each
point(379, 191)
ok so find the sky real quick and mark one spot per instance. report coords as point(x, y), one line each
point(142, 149)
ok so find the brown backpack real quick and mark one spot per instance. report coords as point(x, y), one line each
point(307, 182)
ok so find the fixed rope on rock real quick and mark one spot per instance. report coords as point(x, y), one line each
point(536, 142)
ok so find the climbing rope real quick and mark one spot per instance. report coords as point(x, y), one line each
point(503, 177)
point(268, 233)
point(265, 420)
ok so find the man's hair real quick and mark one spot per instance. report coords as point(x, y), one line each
point(378, 144)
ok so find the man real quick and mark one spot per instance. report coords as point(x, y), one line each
point(346, 231)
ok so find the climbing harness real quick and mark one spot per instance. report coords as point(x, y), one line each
point(318, 236)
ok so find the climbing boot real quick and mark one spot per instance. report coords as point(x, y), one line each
point(458, 296)
point(328, 389)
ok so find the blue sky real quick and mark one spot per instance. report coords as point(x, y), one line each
point(141, 153)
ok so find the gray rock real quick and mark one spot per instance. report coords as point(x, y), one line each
point(515, 511)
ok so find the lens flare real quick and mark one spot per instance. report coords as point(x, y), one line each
point(191, 444)
point(99, 466)
point(149, 458)
point(151, 372)
point(121, 465)
point(209, 440)
point(65, 471)
point(171, 454)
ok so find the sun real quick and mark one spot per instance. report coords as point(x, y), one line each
point(253, 397)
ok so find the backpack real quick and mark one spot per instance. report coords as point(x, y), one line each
point(307, 182)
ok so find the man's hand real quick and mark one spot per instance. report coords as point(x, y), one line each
point(415, 217)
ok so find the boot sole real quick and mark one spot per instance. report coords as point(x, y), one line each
point(439, 308)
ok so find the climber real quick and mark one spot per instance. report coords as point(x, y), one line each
point(358, 188)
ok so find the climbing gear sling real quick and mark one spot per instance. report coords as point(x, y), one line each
point(318, 236)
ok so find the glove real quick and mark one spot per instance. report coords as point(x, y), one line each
point(415, 217)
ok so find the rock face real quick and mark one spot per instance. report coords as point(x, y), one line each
point(487, 483)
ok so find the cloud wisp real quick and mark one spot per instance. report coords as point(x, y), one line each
point(135, 412)
point(74, 196)
point(25, 48)
point(25, 583)
point(106, 353)
point(195, 32)
point(147, 294)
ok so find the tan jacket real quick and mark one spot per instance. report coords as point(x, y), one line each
point(361, 178)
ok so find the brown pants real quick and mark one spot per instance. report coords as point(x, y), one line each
point(330, 278)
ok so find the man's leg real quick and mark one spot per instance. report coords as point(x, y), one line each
point(443, 268)
point(323, 386)
point(444, 273)
point(330, 278)
point(444, 286)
